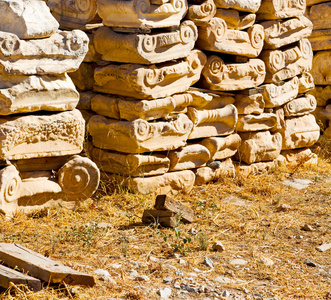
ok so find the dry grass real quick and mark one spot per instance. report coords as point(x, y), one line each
point(258, 225)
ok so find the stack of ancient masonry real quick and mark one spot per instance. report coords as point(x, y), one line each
point(319, 13)
point(40, 130)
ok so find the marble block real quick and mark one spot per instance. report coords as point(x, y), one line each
point(107, 105)
point(321, 68)
point(322, 94)
point(319, 15)
point(298, 156)
point(281, 9)
point(150, 82)
point(259, 167)
point(300, 106)
point(217, 99)
point(279, 112)
point(234, 19)
point(306, 82)
point(264, 121)
point(320, 39)
point(240, 5)
point(251, 102)
point(92, 55)
point(201, 13)
point(139, 136)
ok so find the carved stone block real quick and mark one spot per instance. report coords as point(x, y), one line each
point(279, 112)
point(106, 105)
point(298, 156)
point(205, 99)
point(216, 122)
point(201, 13)
point(300, 132)
point(300, 106)
point(321, 68)
point(139, 136)
point(150, 82)
point(320, 39)
point(141, 13)
point(215, 36)
point(22, 94)
point(306, 83)
point(258, 168)
point(23, 137)
point(234, 19)
point(188, 157)
point(281, 9)
point(263, 121)
point(28, 19)
point(241, 5)
point(145, 48)
point(322, 94)
point(83, 78)
point(60, 53)
point(221, 76)
point(259, 146)
point(250, 103)
point(92, 55)
point(281, 33)
point(222, 147)
point(319, 15)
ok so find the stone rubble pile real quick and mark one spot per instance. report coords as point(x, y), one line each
point(41, 131)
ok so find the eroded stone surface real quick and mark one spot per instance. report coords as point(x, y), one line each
point(263, 121)
point(217, 99)
point(260, 167)
point(300, 155)
point(241, 5)
point(83, 78)
point(322, 94)
point(300, 106)
point(320, 39)
point(321, 68)
point(250, 103)
point(306, 83)
point(319, 15)
point(201, 13)
point(281, 9)
point(279, 112)
point(236, 20)
point(107, 105)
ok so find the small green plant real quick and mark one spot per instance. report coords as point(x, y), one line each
point(85, 233)
point(124, 245)
point(203, 240)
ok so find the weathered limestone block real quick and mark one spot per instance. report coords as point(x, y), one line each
point(83, 77)
point(300, 106)
point(306, 83)
point(106, 105)
point(279, 112)
point(85, 100)
point(141, 13)
point(60, 53)
point(40, 163)
point(92, 55)
point(217, 99)
point(241, 5)
point(73, 14)
point(28, 19)
point(202, 12)
point(168, 183)
point(215, 36)
point(23, 137)
point(250, 102)
point(221, 76)
point(150, 82)
point(327, 112)
point(139, 136)
point(300, 155)
point(319, 15)
point(264, 121)
point(281, 33)
point(285, 64)
point(234, 19)
point(300, 132)
point(130, 164)
point(188, 157)
point(313, 2)
point(145, 48)
point(259, 146)
point(259, 167)
point(321, 68)
point(280, 93)
point(22, 94)
point(222, 147)
point(216, 122)
point(281, 9)
point(320, 39)
point(218, 170)
point(322, 94)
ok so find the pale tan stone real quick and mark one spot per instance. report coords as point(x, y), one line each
point(279, 112)
point(215, 36)
point(83, 77)
point(214, 122)
point(236, 20)
point(300, 155)
point(188, 157)
point(106, 105)
point(202, 12)
point(319, 15)
point(300, 132)
point(150, 82)
point(300, 106)
point(321, 68)
point(241, 5)
point(22, 94)
point(141, 13)
point(258, 168)
point(281, 33)
point(222, 147)
point(280, 93)
point(322, 94)
point(218, 75)
point(281, 9)
point(250, 103)
point(259, 146)
point(130, 164)
point(320, 39)
point(60, 53)
point(24, 137)
point(306, 83)
point(139, 136)
point(264, 121)
point(145, 48)
point(28, 19)
point(219, 169)
point(216, 100)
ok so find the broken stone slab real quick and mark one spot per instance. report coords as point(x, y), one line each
point(221, 76)
point(145, 48)
point(280, 9)
point(324, 247)
point(92, 55)
point(306, 83)
point(257, 168)
point(163, 217)
point(321, 68)
point(141, 13)
point(222, 147)
point(281, 33)
point(300, 132)
point(264, 121)
point(83, 77)
point(107, 105)
point(299, 156)
point(259, 146)
point(205, 99)
point(322, 94)
point(279, 112)
point(319, 15)
point(201, 13)
point(62, 52)
point(250, 103)
point(139, 136)
point(234, 19)
point(23, 94)
point(297, 183)
point(320, 39)
point(150, 82)
point(217, 170)
point(188, 157)
point(28, 19)
point(300, 106)
point(215, 36)
point(240, 5)
point(278, 94)
point(215, 122)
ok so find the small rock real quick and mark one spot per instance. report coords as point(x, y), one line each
point(187, 288)
point(218, 246)
point(164, 293)
point(116, 266)
point(134, 273)
point(193, 231)
point(238, 262)
point(226, 294)
point(298, 184)
point(177, 286)
point(324, 247)
point(75, 290)
point(197, 270)
point(167, 280)
point(310, 263)
point(142, 278)
point(182, 262)
point(191, 274)
point(266, 261)
point(230, 273)
point(101, 272)
point(153, 259)
point(284, 207)
point(169, 267)
point(179, 273)
point(208, 262)
point(307, 227)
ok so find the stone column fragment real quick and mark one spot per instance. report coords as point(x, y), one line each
point(321, 68)
point(240, 5)
point(263, 121)
point(281, 9)
point(251, 102)
point(234, 19)
point(201, 13)
point(300, 106)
